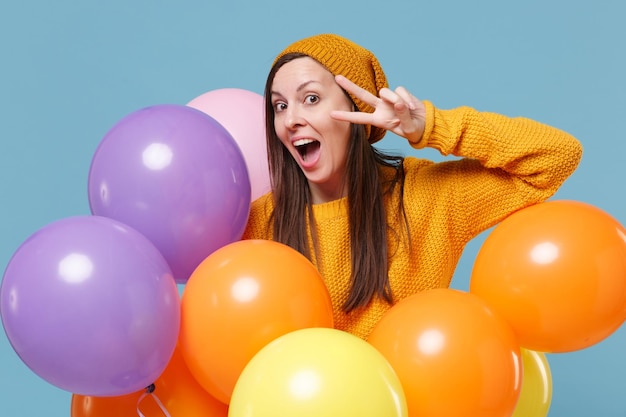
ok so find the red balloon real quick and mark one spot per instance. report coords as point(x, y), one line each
point(453, 355)
point(557, 272)
point(242, 297)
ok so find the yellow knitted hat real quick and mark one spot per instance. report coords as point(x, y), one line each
point(344, 57)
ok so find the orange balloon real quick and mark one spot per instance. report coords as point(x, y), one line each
point(453, 355)
point(557, 272)
point(241, 297)
point(176, 389)
point(119, 406)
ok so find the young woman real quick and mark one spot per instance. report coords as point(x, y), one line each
point(380, 227)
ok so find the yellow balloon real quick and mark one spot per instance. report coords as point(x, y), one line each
point(536, 393)
point(318, 372)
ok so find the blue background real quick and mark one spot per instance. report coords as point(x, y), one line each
point(70, 70)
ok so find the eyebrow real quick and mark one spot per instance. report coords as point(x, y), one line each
point(300, 87)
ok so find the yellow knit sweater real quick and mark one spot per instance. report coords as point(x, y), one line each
point(505, 164)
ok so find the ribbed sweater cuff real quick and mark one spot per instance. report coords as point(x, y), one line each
point(436, 132)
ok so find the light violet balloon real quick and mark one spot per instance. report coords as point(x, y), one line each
point(242, 113)
point(176, 175)
point(91, 306)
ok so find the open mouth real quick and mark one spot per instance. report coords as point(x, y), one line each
point(307, 147)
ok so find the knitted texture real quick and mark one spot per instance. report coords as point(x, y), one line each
point(507, 164)
point(344, 57)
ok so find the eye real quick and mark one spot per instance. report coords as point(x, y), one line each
point(279, 106)
point(311, 99)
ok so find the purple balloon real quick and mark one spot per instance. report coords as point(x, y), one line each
point(90, 305)
point(176, 175)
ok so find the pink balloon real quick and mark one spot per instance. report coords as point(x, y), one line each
point(241, 113)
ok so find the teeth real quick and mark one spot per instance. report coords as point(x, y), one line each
point(301, 142)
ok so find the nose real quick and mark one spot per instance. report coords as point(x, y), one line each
point(293, 117)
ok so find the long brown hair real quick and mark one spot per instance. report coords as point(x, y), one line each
point(367, 216)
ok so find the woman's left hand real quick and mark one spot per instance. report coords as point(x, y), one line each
point(396, 111)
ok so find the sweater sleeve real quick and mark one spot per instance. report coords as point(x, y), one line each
point(504, 163)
